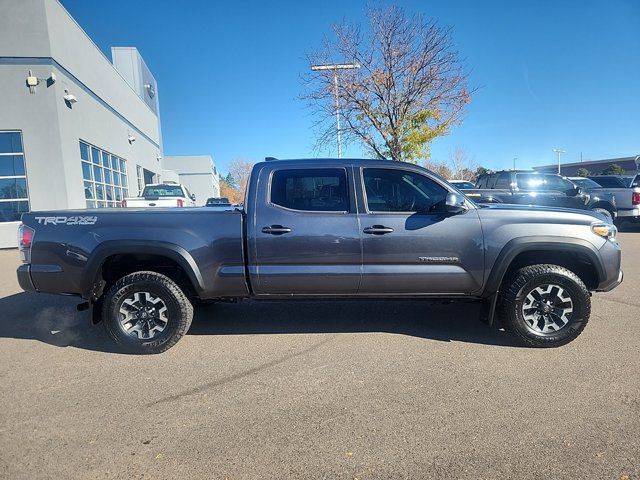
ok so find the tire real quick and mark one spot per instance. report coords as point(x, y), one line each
point(523, 305)
point(604, 212)
point(159, 313)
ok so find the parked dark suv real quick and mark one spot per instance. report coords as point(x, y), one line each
point(547, 189)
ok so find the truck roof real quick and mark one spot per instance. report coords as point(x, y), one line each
point(333, 161)
point(165, 184)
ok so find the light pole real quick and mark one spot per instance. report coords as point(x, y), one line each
point(559, 151)
point(514, 162)
point(334, 68)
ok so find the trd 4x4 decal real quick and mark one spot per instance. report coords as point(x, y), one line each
point(75, 220)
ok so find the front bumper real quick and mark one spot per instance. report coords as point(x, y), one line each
point(611, 261)
point(24, 278)
point(610, 286)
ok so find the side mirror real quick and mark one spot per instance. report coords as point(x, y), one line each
point(193, 197)
point(454, 203)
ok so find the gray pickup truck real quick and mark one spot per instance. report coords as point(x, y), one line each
point(624, 188)
point(325, 228)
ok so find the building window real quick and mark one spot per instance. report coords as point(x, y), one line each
point(140, 174)
point(104, 176)
point(14, 195)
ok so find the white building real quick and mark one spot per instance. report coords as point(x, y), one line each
point(198, 173)
point(76, 130)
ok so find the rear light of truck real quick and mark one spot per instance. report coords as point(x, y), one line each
point(124, 204)
point(25, 239)
point(635, 198)
point(180, 203)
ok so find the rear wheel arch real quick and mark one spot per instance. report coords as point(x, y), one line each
point(138, 255)
point(602, 205)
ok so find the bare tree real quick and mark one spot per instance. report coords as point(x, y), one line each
point(410, 89)
point(440, 168)
point(240, 170)
point(462, 167)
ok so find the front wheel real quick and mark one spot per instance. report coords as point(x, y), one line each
point(545, 305)
point(146, 312)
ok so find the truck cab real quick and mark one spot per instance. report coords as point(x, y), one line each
point(371, 228)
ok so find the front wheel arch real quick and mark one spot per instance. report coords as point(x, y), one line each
point(571, 253)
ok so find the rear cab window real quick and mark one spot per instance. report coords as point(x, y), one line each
point(163, 191)
point(311, 189)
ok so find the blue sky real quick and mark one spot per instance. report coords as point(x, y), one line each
point(551, 73)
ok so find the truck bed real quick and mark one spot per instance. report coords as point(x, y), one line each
point(70, 246)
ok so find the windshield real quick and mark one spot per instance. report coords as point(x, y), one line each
point(163, 191)
point(585, 183)
point(536, 181)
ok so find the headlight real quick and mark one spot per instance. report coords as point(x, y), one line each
point(605, 230)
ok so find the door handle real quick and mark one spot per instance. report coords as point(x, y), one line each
point(378, 230)
point(276, 230)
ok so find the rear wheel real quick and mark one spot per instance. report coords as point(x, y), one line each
point(146, 312)
point(604, 212)
point(545, 305)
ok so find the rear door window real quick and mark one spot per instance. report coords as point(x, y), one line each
point(503, 181)
point(311, 189)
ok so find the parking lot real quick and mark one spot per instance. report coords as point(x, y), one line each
point(367, 389)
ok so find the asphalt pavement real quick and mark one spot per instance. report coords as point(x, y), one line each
point(362, 389)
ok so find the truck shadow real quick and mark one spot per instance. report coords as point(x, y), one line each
point(54, 320)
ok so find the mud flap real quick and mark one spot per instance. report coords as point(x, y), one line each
point(488, 309)
point(95, 310)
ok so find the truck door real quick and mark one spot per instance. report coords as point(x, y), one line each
point(410, 245)
point(305, 239)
